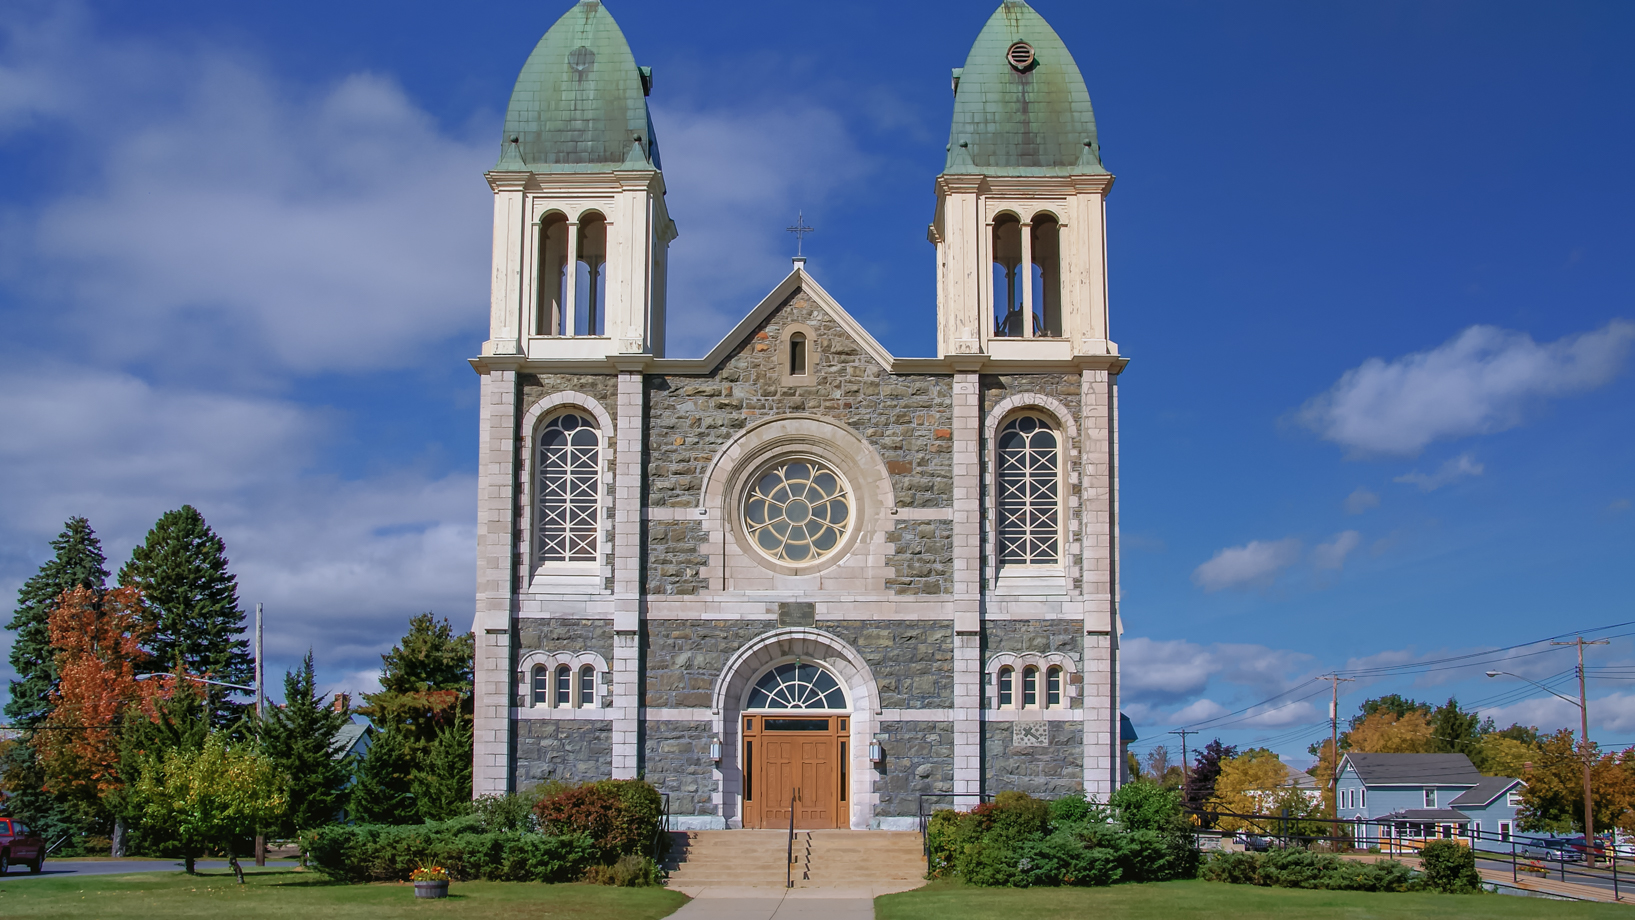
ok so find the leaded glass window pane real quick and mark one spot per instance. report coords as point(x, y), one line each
point(797, 511)
point(1029, 492)
point(542, 686)
point(564, 686)
point(569, 489)
point(587, 687)
point(797, 686)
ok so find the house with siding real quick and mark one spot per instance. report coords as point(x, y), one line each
point(1417, 796)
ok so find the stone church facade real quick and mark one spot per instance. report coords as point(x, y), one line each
point(799, 572)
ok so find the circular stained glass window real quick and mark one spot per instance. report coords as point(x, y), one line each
point(797, 511)
point(797, 686)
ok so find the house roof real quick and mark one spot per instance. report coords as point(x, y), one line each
point(1126, 729)
point(1414, 769)
point(1484, 792)
point(1426, 814)
point(348, 737)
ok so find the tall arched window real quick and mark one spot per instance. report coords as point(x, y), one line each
point(590, 287)
point(542, 686)
point(564, 686)
point(1006, 697)
point(1029, 492)
point(1007, 284)
point(1030, 688)
point(1045, 276)
point(587, 687)
point(553, 276)
point(1053, 688)
point(569, 489)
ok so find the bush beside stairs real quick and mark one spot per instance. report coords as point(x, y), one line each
point(822, 859)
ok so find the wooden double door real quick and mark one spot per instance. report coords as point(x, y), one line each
point(800, 763)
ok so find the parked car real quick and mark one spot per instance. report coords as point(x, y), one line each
point(1575, 846)
point(18, 846)
point(1255, 843)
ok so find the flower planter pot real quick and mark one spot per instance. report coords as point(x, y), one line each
point(431, 889)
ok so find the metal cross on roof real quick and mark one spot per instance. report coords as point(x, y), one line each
point(800, 230)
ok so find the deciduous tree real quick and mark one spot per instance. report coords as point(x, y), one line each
point(212, 798)
point(1206, 768)
point(77, 562)
point(1553, 799)
point(1384, 732)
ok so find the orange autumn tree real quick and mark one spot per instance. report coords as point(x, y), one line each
point(98, 637)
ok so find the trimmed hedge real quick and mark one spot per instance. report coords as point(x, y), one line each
point(463, 846)
point(1299, 868)
point(1019, 841)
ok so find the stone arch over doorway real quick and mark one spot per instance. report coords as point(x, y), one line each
point(862, 693)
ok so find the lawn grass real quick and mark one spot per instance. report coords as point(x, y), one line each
point(283, 893)
point(1213, 900)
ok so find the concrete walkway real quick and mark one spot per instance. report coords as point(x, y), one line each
point(793, 904)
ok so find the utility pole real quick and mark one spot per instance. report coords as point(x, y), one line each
point(1183, 732)
point(260, 700)
point(1584, 746)
point(1335, 681)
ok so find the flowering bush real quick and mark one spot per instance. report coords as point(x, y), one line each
point(621, 815)
point(429, 874)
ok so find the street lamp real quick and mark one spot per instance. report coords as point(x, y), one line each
point(1584, 744)
point(201, 680)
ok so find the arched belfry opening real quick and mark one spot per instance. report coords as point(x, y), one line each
point(1008, 290)
point(1044, 275)
point(590, 295)
point(553, 275)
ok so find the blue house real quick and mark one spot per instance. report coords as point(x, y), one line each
point(1417, 796)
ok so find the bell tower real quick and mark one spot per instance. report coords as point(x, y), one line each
point(581, 231)
point(1020, 223)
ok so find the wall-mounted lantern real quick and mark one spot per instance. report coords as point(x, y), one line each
point(715, 749)
point(875, 754)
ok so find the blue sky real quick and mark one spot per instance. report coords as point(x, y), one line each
point(1370, 261)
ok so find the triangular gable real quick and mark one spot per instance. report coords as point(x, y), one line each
point(797, 279)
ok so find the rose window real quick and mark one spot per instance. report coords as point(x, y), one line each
point(797, 511)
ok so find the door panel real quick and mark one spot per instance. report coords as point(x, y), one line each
point(798, 765)
point(779, 778)
point(815, 807)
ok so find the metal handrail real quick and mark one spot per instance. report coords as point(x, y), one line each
point(789, 867)
point(664, 826)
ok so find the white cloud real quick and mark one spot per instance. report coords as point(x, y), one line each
point(1450, 472)
point(736, 179)
point(1170, 670)
point(1256, 564)
point(1483, 380)
point(1197, 711)
point(1614, 712)
point(1361, 500)
point(1331, 555)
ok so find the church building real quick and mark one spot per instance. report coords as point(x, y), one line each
point(799, 572)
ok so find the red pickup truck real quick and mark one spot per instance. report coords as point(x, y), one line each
point(17, 845)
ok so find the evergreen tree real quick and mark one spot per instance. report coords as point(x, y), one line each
point(301, 738)
point(425, 681)
point(192, 603)
point(77, 564)
point(1455, 731)
point(442, 780)
point(383, 793)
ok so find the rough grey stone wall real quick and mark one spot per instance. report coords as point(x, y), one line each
point(922, 556)
point(1047, 772)
point(566, 635)
point(676, 759)
point(572, 751)
point(919, 758)
point(603, 388)
point(912, 661)
point(907, 419)
point(675, 558)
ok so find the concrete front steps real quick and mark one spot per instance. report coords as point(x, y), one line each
point(823, 859)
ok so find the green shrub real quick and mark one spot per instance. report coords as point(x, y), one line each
point(1075, 809)
point(1143, 805)
point(623, 816)
point(1299, 868)
point(941, 839)
point(1450, 867)
point(382, 853)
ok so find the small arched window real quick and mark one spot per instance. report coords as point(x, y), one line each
point(542, 686)
point(797, 686)
point(1007, 285)
point(1029, 492)
point(564, 687)
point(1007, 698)
point(553, 276)
point(797, 354)
point(1030, 688)
point(570, 489)
point(1045, 276)
point(590, 283)
point(587, 687)
point(1053, 688)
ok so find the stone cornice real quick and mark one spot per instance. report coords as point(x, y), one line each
point(952, 364)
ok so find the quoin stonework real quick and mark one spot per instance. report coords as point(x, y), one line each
point(799, 572)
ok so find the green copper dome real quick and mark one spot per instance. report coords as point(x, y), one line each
point(1021, 109)
point(580, 102)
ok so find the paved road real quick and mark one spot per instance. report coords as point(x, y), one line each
point(58, 868)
